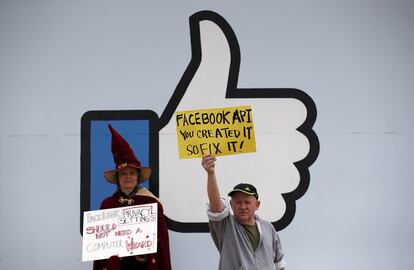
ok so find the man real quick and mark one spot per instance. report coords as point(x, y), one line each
point(244, 240)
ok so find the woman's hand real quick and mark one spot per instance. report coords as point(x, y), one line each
point(141, 258)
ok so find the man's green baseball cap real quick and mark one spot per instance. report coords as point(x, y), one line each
point(246, 189)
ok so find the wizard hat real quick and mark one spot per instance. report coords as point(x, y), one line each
point(124, 156)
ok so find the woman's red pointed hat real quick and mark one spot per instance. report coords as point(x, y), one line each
point(123, 157)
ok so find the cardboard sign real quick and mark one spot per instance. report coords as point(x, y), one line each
point(221, 131)
point(124, 231)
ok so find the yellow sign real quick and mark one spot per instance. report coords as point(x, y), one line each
point(221, 131)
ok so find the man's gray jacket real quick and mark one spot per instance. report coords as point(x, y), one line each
point(236, 251)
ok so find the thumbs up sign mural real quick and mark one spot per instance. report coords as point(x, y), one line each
point(283, 119)
point(286, 145)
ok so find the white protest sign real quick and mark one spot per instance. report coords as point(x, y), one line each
point(124, 231)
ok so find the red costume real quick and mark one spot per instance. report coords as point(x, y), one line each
point(124, 157)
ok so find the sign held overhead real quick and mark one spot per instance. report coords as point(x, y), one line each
point(219, 132)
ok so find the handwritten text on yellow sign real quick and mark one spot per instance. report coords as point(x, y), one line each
point(221, 131)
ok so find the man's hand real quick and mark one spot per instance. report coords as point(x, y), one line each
point(209, 164)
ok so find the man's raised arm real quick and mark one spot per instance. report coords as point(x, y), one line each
point(216, 204)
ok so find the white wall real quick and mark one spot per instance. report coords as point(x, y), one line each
point(61, 59)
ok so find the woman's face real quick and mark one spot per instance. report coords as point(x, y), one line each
point(128, 179)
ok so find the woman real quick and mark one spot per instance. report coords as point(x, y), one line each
point(127, 175)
